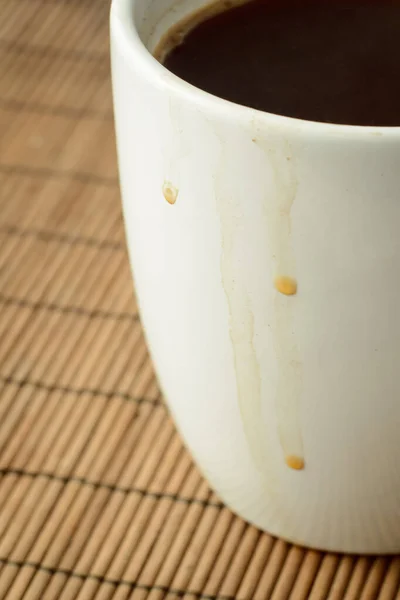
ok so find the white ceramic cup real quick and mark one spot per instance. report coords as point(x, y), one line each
point(219, 201)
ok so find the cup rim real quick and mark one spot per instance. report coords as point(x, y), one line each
point(124, 33)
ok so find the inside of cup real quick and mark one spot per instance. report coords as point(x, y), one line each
point(155, 18)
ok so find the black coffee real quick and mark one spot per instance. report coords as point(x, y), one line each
point(333, 61)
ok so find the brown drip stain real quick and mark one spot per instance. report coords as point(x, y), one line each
point(278, 208)
point(170, 192)
point(286, 285)
point(235, 227)
point(295, 462)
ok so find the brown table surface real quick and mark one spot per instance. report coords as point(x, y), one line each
point(98, 497)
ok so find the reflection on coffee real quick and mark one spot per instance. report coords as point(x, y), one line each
point(333, 61)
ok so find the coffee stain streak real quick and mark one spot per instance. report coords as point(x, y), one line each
point(289, 363)
point(247, 369)
point(175, 151)
point(241, 326)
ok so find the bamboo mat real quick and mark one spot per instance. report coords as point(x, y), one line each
point(98, 498)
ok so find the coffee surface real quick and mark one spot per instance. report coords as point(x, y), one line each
point(332, 61)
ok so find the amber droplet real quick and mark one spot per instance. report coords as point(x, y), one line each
point(286, 285)
point(170, 192)
point(295, 462)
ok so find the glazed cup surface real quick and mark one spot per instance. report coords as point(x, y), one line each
point(219, 202)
